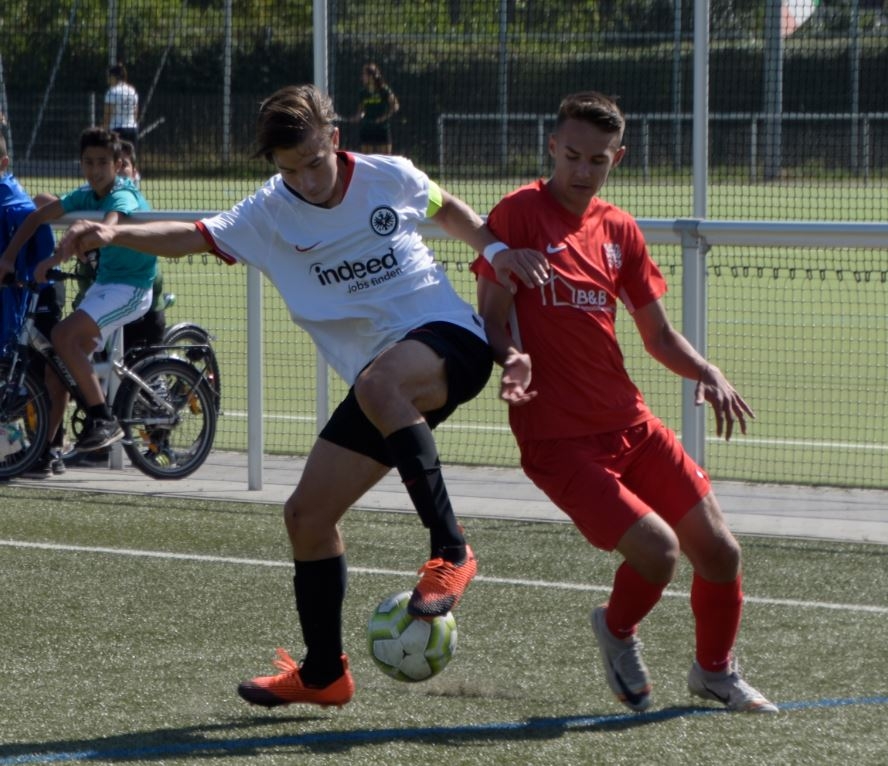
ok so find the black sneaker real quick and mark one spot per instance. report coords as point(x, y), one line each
point(56, 464)
point(100, 433)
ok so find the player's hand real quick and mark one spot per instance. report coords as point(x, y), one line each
point(728, 405)
point(83, 236)
point(515, 380)
point(41, 269)
point(530, 266)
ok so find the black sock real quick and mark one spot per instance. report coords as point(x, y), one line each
point(100, 412)
point(416, 458)
point(320, 590)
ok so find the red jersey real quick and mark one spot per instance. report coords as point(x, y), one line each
point(568, 325)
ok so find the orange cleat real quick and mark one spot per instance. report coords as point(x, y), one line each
point(441, 585)
point(287, 688)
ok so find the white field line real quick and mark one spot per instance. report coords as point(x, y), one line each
point(810, 443)
point(408, 574)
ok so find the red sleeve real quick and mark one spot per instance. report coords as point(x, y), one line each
point(497, 222)
point(641, 281)
point(482, 269)
point(214, 249)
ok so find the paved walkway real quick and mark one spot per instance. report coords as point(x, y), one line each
point(838, 514)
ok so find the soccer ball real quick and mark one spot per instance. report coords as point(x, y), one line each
point(407, 648)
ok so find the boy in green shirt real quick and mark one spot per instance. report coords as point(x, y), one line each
point(122, 291)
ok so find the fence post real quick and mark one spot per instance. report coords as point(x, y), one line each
point(255, 377)
point(115, 354)
point(693, 311)
point(440, 126)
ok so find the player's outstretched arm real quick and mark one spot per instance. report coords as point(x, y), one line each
point(530, 266)
point(462, 222)
point(669, 347)
point(171, 239)
point(494, 305)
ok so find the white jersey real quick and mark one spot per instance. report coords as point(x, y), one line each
point(123, 101)
point(357, 277)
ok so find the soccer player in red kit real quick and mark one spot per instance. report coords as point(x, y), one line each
point(586, 436)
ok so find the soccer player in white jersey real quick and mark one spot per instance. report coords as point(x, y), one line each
point(337, 235)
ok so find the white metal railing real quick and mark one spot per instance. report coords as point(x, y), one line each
point(695, 236)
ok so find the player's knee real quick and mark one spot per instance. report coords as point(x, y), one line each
point(304, 526)
point(294, 518)
point(719, 560)
point(663, 561)
point(652, 548)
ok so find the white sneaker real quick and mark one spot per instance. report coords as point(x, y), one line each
point(729, 688)
point(626, 673)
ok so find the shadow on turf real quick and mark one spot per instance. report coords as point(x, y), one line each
point(203, 742)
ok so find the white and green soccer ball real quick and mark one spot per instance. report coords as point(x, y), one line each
point(407, 648)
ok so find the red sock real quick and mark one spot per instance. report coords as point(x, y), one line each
point(631, 600)
point(717, 607)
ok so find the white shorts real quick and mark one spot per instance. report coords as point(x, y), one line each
point(113, 306)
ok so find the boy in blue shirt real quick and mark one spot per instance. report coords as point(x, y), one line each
point(122, 291)
point(15, 206)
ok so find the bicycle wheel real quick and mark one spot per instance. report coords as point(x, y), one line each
point(189, 334)
point(171, 424)
point(24, 422)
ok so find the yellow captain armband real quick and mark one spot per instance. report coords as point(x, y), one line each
point(436, 199)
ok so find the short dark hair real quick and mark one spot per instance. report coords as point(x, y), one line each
point(118, 71)
point(289, 116)
point(128, 149)
point(104, 139)
point(592, 106)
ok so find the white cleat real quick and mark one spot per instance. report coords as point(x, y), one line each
point(624, 669)
point(729, 688)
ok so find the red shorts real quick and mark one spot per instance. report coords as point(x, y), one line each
point(607, 482)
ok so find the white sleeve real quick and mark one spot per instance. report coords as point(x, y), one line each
point(413, 186)
point(241, 233)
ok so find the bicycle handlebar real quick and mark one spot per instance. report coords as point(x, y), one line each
point(53, 275)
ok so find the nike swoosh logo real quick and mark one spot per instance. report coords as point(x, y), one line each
point(715, 694)
point(551, 249)
point(306, 249)
point(633, 698)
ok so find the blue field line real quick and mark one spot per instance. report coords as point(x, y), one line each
point(393, 735)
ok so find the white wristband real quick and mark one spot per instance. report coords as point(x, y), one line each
point(492, 249)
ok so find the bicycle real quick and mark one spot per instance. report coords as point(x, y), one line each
point(167, 406)
point(183, 339)
point(197, 345)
